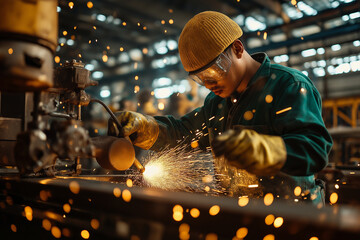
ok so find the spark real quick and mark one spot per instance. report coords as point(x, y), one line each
point(177, 169)
point(241, 232)
point(95, 223)
point(284, 110)
point(13, 227)
point(265, 35)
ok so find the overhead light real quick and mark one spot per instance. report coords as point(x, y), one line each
point(164, 92)
point(321, 63)
point(334, 4)
point(158, 63)
point(58, 9)
point(124, 57)
point(161, 82)
point(277, 59)
point(254, 25)
point(109, 19)
point(320, 51)
point(319, 72)
point(172, 44)
point(136, 54)
point(345, 18)
point(356, 43)
point(284, 58)
point(97, 74)
point(354, 15)
point(117, 21)
point(306, 8)
point(62, 40)
point(89, 67)
point(355, 66)
point(161, 50)
point(308, 52)
point(70, 42)
point(104, 93)
point(101, 17)
point(239, 19)
point(336, 47)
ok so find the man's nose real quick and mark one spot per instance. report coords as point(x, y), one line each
point(210, 83)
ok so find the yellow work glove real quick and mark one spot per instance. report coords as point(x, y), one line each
point(246, 149)
point(143, 130)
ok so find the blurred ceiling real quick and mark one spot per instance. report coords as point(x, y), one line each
point(128, 44)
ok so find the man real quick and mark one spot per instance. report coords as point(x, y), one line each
point(261, 117)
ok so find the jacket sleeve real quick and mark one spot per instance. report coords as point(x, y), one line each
point(297, 119)
point(188, 128)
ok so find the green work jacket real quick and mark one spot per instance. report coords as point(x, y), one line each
point(278, 101)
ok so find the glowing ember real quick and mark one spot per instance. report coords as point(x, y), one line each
point(28, 213)
point(269, 237)
point(126, 195)
point(268, 199)
point(269, 219)
point(241, 232)
point(333, 198)
point(178, 216)
point(95, 223)
point(211, 236)
point(46, 224)
point(85, 234)
point(129, 182)
point(278, 222)
point(13, 228)
point(74, 187)
point(66, 207)
point(297, 191)
point(55, 231)
point(243, 201)
point(194, 212)
point(214, 210)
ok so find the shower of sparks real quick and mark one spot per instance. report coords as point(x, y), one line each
point(179, 169)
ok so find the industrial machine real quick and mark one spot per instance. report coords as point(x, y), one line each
point(42, 141)
point(33, 99)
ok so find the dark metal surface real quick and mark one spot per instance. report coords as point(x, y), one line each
point(149, 213)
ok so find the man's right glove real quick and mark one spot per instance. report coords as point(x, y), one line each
point(143, 130)
point(259, 154)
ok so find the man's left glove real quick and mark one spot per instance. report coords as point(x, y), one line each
point(143, 130)
point(246, 149)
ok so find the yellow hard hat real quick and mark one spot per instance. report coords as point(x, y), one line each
point(204, 37)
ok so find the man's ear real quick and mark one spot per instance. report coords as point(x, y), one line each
point(238, 48)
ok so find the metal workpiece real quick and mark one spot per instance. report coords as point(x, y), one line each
point(110, 209)
point(113, 153)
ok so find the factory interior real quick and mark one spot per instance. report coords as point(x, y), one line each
point(67, 67)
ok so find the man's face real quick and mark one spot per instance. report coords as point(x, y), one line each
point(220, 77)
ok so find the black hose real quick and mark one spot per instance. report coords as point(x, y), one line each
point(112, 115)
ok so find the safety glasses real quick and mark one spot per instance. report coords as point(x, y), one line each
point(216, 70)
